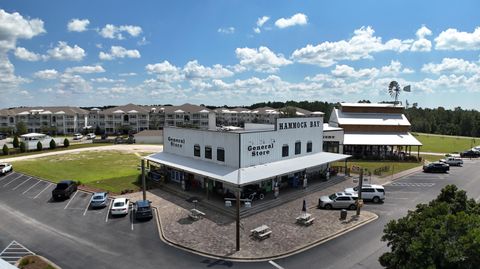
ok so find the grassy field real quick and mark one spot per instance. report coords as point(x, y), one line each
point(445, 144)
point(109, 170)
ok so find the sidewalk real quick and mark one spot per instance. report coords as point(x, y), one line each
point(214, 235)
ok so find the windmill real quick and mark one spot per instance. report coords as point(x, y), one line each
point(394, 90)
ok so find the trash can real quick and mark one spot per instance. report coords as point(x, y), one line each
point(343, 214)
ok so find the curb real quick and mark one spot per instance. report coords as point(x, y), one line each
point(260, 259)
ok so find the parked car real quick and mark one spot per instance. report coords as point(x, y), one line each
point(77, 136)
point(64, 189)
point(120, 206)
point(253, 192)
point(470, 154)
point(375, 193)
point(338, 200)
point(91, 136)
point(142, 210)
point(436, 167)
point(99, 199)
point(5, 168)
point(452, 161)
point(3, 136)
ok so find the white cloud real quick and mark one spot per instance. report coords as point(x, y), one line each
point(194, 70)
point(131, 74)
point(345, 71)
point(115, 32)
point(118, 52)
point(452, 39)
point(8, 79)
point(297, 19)
point(451, 65)
point(260, 22)
point(86, 69)
point(70, 83)
point(165, 71)
point(77, 25)
point(64, 52)
point(26, 55)
point(451, 83)
point(360, 46)
point(227, 30)
point(107, 80)
point(14, 26)
point(261, 59)
point(46, 74)
point(422, 44)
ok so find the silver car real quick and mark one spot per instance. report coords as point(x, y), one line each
point(99, 199)
point(338, 200)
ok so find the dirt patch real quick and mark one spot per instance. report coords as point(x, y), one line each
point(34, 262)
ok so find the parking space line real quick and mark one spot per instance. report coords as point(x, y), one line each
point(31, 187)
point(131, 218)
point(48, 186)
point(108, 211)
point(71, 199)
point(12, 181)
point(275, 265)
point(3, 178)
point(22, 183)
point(88, 206)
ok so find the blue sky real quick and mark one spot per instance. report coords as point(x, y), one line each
point(94, 53)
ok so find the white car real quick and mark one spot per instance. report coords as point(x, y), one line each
point(452, 161)
point(338, 200)
point(5, 168)
point(120, 206)
point(91, 136)
point(77, 136)
point(375, 193)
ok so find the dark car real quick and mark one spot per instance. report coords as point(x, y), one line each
point(436, 167)
point(253, 192)
point(142, 210)
point(64, 189)
point(470, 154)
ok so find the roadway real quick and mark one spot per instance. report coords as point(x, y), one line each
point(75, 236)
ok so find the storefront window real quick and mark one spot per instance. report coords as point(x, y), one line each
point(298, 147)
point(220, 154)
point(285, 151)
point(196, 150)
point(208, 152)
point(309, 146)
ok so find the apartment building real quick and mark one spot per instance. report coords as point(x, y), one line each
point(178, 116)
point(120, 119)
point(62, 120)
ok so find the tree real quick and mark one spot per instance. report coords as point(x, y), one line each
point(15, 142)
point(39, 146)
point(23, 147)
point(66, 142)
point(53, 144)
point(442, 234)
point(5, 149)
point(21, 128)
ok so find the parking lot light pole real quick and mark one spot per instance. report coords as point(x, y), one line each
point(359, 191)
point(238, 220)
point(144, 187)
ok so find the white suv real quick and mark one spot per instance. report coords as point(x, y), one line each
point(375, 193)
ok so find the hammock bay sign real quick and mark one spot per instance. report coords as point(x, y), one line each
point(308, 123)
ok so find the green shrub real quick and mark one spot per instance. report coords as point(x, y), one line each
point(53, 144)
point(23, 147)
point(24, 262)
point(5, 149)
point(39, 146)
point(66, 142)
point(15, 142)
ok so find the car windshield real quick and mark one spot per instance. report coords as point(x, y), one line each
point(141, 209)
point(118, 204)
point(333, 196)
point(62, 186)
point(98, 197)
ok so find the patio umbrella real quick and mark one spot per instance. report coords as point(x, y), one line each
point(304, 207)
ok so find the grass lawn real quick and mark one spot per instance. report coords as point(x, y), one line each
point(393, 166)
point(445, 144)
point(109, 170)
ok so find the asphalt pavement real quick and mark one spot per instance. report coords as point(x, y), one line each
point(75, 236)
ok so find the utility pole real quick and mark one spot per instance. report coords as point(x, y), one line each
point(238, 219)
point(144, 187)
point(359, 191)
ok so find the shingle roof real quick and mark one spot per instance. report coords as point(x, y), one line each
point(128, 108)
point(42, 110)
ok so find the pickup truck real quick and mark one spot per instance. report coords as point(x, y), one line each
point(5, 168)
point(64, 189)
point(452, 161)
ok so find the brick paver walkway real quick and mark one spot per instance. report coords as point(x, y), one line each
point(215, 234)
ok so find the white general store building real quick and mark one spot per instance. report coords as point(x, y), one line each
point(221, 159)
